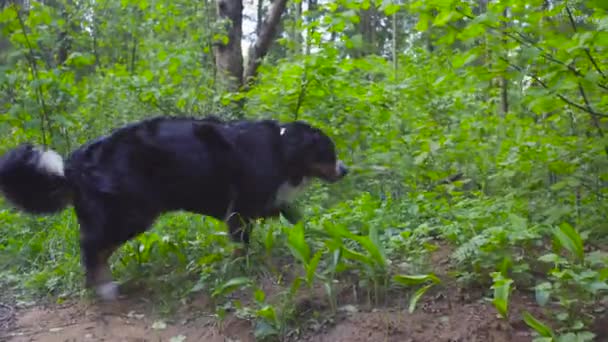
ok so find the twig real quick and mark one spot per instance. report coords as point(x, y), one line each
point(587, 51)
point(589, 109)
point(45, 116)
point(303, 87)
point(560, 96)
point(527, 41)
point(581, 90)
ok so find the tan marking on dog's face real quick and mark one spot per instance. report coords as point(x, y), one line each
point(330, 172)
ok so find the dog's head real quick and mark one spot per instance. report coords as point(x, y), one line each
point(311, 153)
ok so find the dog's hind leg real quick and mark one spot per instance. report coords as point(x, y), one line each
point(95, 255)
point(104, 227)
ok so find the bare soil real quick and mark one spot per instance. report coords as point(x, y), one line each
point(447, 314)
point(128, 320)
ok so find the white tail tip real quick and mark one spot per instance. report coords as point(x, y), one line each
point(52, 162)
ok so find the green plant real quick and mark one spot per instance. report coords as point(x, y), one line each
point(410, 280)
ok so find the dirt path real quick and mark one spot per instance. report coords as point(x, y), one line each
point(437, 319)
point(445, 315)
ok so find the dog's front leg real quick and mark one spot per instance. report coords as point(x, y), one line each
point(239, 228)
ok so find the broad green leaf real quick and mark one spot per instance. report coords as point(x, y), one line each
point(537, 325)
point(445, 17)
point(267, 312)
point(423, 22)
point(297, 244)
point(569, 238)
point(409, 280)
point(391, 9)
point(502, 290)
point(231, 286)
point(259, 295)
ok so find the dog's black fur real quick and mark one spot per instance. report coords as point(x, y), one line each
point(119, 184)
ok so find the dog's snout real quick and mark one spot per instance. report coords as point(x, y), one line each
point(342, 169)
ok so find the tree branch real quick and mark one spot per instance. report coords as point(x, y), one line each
point(587, 51)
point(258, 50)
point(527, 41)
point(581, 90)
point(596, 122)
point(303, 87)
point(560, 96)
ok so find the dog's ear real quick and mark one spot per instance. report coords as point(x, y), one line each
point(212, 133)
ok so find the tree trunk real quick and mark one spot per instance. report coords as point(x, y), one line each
point(64, 39)
point(394, 47)
point(366, 29)
point(312, 9)
point(260, 15)
point(228, 55)
point(297, 35)
point(504, 83)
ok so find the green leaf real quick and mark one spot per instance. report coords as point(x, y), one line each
point(312, 267)
point(297, 244)
point(445, 17)
point(597, 4)
point(537, 325)
point(464, 58)
point(259, 295)
point(354, 255)
point(409, 280)
point(569, 238)
point(268, 313)
point(231, 286)
point(423, 22)
point(502, 290)
point(543, 293)
point(373, 246)
point(391, 9)
point(414, 300)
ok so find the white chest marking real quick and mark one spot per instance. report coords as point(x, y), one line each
point(287, 192)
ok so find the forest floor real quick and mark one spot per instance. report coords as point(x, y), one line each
point(448, 313)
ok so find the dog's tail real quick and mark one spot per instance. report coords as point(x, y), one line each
point(34, 180)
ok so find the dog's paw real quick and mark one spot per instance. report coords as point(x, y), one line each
point(108, 291)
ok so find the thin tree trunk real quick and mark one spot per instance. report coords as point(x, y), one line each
point(365, 28)
point(133, 53)
point(394, 47)
point(260, 48)
point(504, 83)
point(64, 41)
point(312, 7)
point(297, 35)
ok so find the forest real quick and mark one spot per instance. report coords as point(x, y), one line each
point(475, 209)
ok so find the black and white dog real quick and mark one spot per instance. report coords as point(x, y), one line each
point(119, 184)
